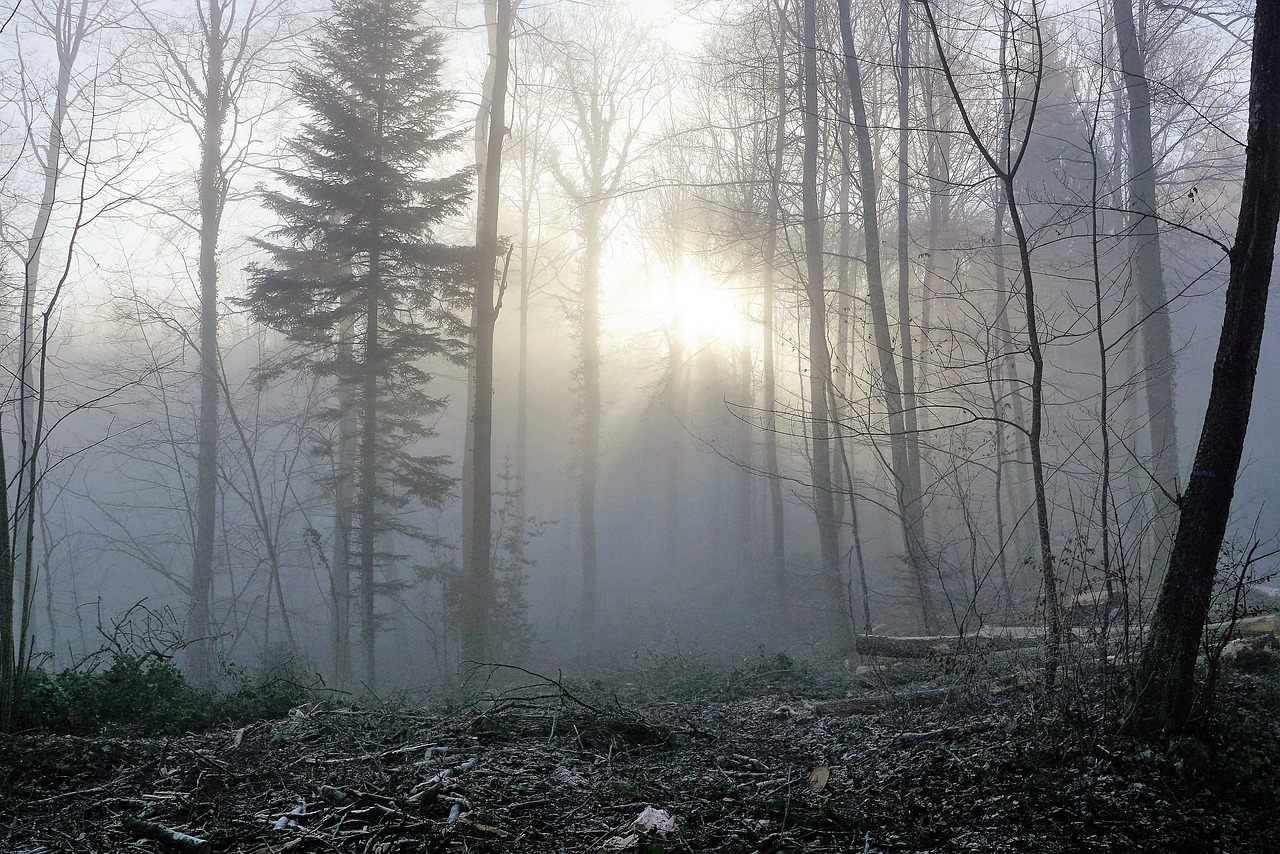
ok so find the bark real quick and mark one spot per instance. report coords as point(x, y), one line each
point(906, 346)
point(369, 478)
point(10, 685)
point(477, 568)
point(768, 355)
point(343, 491)
point(204, 649)
point(1010, 380)
point(1157, 347)
point(522, 363)
point(589, 474)
point(837, 618)
point(1161, 701)
point(910, 507)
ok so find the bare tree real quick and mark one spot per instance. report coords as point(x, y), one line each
point(1004, 164)
point(611, 81)
point(837, 619)
point(71, 174)
point(477, 478)
point(1162, 693)
point(906, 487)
point(202, 74)
point(1157, 346)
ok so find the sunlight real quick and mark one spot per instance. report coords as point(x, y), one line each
point(697, 310)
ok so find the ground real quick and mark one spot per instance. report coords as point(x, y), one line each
point(770, 763)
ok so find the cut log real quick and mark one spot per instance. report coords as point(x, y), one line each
point(167, 836)
point(1260, 625)
point(1002, 638)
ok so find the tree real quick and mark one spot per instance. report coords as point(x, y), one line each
point(905, 475)
point(203, 76)
point(1004, 164)
point(1157, 337)
point(67, 166)
point(1162, 693)
point(358, 280)
point(611, 83)
point(491, 131)
point(838, 621)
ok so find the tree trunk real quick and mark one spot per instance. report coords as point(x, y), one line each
point(477, 571)
point(591, 416)
point(1004, 165)
point(1157, 346)
point(344, 488)
point(837, 618)
point(204, 648)
point(1161, 701)
point(910, 508)
point(369, 480)
point(522, 364)
point(678, 408)
point(906, 346)
point(768, 354)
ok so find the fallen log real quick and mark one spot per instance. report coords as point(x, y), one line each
point(175, 839)
point(1259, 625)
point(927, 647)
point(1004, 638)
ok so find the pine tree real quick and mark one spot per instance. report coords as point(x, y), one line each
point(357, 280)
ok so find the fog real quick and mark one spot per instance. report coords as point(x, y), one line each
point(694, 132)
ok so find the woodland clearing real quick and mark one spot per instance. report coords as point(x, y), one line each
point(771, 757)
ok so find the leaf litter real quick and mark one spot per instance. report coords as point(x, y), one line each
point(985, 770)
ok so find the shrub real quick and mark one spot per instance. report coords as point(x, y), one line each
point(148, 695)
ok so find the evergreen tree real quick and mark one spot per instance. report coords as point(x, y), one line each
point(359, 283)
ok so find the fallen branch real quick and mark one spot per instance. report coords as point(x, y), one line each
point(175, 839)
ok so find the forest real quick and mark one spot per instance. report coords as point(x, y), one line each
point(885, 369)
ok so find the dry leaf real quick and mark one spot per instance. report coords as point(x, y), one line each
point(818, 778)
point(622, 843)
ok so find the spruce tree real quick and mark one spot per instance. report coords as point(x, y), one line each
point(358, 282)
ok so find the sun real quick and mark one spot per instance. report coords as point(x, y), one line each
point(696, 309)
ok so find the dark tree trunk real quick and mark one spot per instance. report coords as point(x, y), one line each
point(369, 481)
point(343, 491)
point(1161, 701)
point(591, 414)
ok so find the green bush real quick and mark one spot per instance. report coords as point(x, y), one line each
point(146, 695)
point(263, 695)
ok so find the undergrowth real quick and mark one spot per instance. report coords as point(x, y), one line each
point(148, 695)
point(679, 677)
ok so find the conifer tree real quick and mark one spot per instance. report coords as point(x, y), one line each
point(357, 279)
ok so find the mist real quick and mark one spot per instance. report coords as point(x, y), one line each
point(682, 267)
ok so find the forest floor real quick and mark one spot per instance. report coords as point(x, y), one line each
point(774, 756)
